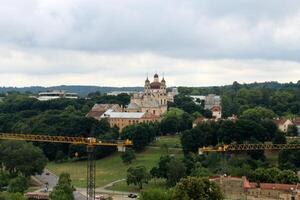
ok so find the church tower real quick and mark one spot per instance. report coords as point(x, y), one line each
point(147, 87)
point(163, 92)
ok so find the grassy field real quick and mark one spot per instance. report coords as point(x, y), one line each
point(108, 169)
point(153, 184)
point(170, 141)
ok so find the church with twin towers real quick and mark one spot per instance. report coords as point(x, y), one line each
point(154, 98)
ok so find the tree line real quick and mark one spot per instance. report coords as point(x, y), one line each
point(283, 99)
point(20, 113)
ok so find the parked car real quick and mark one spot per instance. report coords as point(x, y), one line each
point(2, 189)
point(133, 196)
point(99, 197)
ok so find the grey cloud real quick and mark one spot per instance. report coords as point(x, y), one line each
point(191, 29)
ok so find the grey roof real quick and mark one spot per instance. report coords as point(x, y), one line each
point(133, 106)
point(150, 103)
point(126, 115)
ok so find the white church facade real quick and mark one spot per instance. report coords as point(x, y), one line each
point(154, 99)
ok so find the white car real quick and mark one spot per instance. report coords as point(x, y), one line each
point(99, 197)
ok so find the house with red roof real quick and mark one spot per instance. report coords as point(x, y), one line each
point(283, 124)
point(241, 188)
point(216, 112)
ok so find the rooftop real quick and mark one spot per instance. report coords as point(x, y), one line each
point(126, 115)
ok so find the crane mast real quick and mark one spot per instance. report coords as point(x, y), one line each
point(91, 143)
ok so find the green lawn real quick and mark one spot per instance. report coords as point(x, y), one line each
point(108, 169)
point(153, 184)
point(170, 141)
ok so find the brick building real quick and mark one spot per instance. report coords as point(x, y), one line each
point(237, 188)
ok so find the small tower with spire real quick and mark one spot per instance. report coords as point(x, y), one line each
point(163, 83)
point(147, 87)
point(156, 78)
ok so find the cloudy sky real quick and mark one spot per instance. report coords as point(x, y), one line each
point(117, 42)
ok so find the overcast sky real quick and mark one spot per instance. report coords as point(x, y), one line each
point(117, 42)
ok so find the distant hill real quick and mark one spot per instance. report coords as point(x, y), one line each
point(272, 85)
point(85, 90)
point(81, 90)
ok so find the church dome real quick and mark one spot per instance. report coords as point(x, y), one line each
point(155, 85)
point(155, 75)
point(147, 80)
point(163, 80)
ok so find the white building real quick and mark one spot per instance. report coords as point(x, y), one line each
point(123, 119)
point(172, 94)
point(153, 100)
point(283, 124)
point(211, 102)
point(216, 112)
point(56, 94)
point(198, 99)
point(116, 93)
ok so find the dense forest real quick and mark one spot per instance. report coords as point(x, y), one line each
point(283, 99)
point(22, 114)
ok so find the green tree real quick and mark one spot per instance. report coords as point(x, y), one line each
point(12, 196)
point(138, 176)
point(60, 156)
point(260, 175)
point(176, 120)
point(175, 171)
point(258, 113)
point(4, 179)
point(292, 130)
point(289, 159)
point(287, 177)
point(156, 194)
point(141, 134)
point(22, 157)
point(18, 184)
point(128, 156)
point(162, 169)
point(64, 189)
point(279, 138)
point(202, 135)
point(201, 171)
point(170, 125)
point(197, 188)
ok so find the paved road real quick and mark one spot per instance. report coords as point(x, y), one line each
point(52, 181)
point(80, 193)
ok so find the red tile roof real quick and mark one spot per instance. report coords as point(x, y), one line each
point(216, 109)
point(280, 121)
point(264, 186)
point(155, 85)
point(95, 114)
point(297, 122)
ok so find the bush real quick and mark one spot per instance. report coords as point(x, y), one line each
point(18, 184)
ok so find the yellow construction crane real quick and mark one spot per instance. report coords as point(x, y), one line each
point(247, 147)
point(89, 142)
